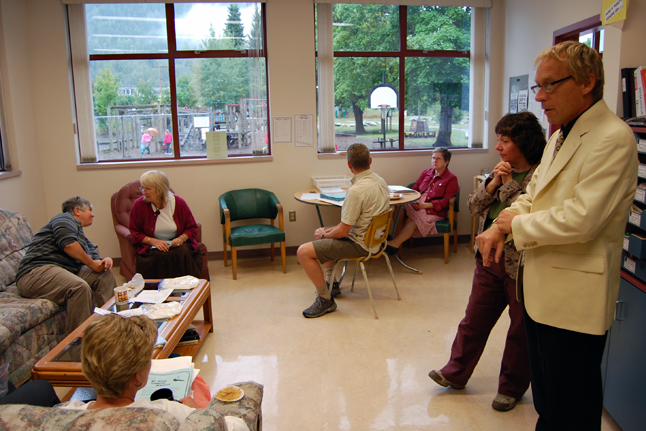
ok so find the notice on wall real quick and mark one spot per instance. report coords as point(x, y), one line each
point(216, 145)
point(282, 129)
point(303, 126)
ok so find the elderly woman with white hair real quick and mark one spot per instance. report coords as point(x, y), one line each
point(163, 230)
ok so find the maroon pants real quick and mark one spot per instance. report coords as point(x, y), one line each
point(491, 292)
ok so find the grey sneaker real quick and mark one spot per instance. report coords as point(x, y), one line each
point(440, 380)
point(503, 403)
point(320, 307)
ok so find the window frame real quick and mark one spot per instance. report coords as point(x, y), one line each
point(170, 57)
point(475, 52)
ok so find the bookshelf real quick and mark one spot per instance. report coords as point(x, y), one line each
point(622, 366)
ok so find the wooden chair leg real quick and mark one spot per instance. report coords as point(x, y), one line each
point(283, 253)
point(455, 240)
point(272, 251)
point(447, 242)
point(224, 248)
point(234, 261)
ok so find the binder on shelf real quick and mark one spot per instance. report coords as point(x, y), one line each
point(640, 102)
point(628, 91)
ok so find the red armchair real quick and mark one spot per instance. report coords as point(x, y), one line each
point(120, 204)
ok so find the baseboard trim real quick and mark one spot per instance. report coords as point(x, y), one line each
point(291, 250)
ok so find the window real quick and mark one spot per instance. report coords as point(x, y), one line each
point(399, 75)
point(162, 76)
point(5, 160)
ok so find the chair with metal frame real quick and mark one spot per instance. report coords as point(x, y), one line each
point(376, 236)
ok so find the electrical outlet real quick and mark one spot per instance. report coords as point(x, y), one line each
point(292, 216)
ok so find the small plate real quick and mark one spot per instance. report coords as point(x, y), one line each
point(229, 394)
point(396, 196)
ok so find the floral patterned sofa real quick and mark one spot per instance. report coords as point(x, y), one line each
point(29, 328)
point(21, 417)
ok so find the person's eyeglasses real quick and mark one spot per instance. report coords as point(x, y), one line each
point(145, 189)
point(436, 158)
point(549, 86)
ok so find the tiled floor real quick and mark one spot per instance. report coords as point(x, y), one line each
point(346, 370)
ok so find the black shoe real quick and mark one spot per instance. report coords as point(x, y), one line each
point(336, 290)
point(320, 307)
point(391, 251)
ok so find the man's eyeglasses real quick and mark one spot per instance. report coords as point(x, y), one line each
point(549, 86)
point(145, 189)
point(437, 158)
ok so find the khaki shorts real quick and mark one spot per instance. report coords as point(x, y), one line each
point(333, 249)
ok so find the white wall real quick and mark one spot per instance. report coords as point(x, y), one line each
point(529, 28)
point(43, 145)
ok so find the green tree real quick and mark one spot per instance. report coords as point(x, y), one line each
point(105, 91)
point(365, 28)
point(234, 29)
point(185, 93)
point(438, 80)
point(146, 94)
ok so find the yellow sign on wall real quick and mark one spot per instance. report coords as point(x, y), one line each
point(613, 11)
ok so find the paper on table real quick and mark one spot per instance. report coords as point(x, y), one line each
point(400, 189)
point(329, 190)
point(153, 296)
point(330, 201)
point(310, 196)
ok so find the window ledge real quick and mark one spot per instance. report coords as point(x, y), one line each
point(173, 162)
point(399, 153)
point(9, 174)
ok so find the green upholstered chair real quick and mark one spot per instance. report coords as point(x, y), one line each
point(249, 204)
point(448, 225)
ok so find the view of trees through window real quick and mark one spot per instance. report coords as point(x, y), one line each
point(373, 46)
point(164, 75)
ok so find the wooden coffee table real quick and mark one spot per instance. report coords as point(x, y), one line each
point(61, 366)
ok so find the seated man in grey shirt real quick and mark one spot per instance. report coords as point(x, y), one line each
point(368, 197)
point(62, 265)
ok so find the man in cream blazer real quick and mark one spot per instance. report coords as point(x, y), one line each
point(570, 224)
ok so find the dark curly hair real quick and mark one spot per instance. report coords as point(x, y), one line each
point(526, 132)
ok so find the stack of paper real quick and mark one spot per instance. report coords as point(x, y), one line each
point(176, 374)
point(400, 189)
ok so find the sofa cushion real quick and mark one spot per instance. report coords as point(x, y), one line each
point(16, 234)
point(19, 417)
point(18, 314)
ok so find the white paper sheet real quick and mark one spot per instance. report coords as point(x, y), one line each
point(331, 190)
point(153, 296)
point(310, 196)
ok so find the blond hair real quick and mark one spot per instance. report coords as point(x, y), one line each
point(113, 349)
point(159, 180)
point(582, 61)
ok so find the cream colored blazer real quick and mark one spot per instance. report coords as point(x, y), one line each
point(571, 223)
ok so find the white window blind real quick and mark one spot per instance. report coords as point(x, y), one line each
point(472, 3)
point(82, 87)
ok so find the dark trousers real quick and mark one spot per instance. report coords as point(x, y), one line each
point(492, 291)
point(35, 393)
point(566, 377)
